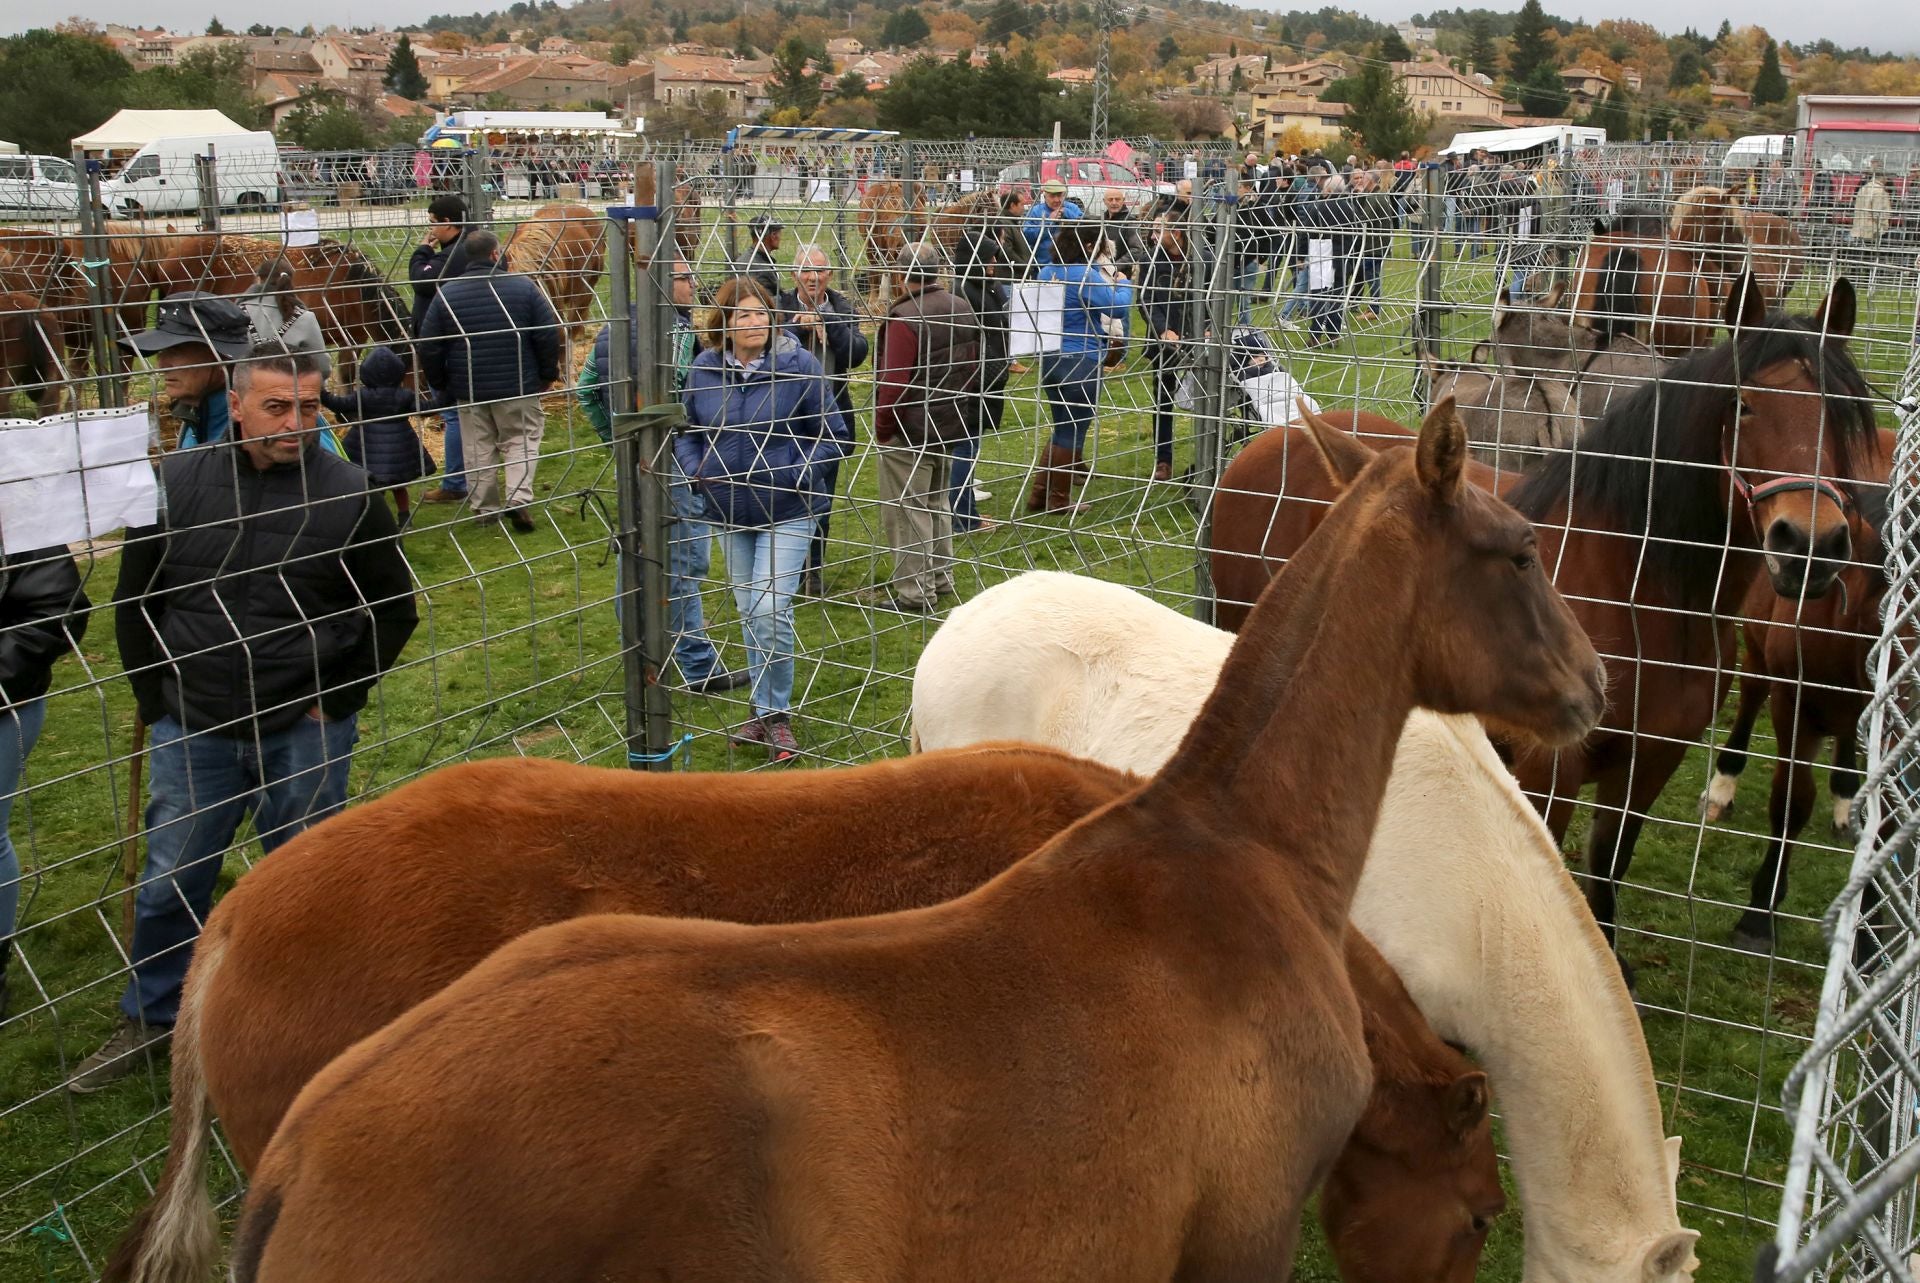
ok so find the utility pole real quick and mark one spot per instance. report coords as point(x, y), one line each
point(1102, 69)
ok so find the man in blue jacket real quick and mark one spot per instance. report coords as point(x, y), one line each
point(1044, 219)
point(443, 254)
point(491, 342)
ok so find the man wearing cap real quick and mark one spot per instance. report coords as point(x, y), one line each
point(253, 622)
point(442, 256)
point(927, 386)
point(193, 337)
point(1045, 218)
point(761, 267)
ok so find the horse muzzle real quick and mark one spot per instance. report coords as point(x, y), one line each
point(1799, 566)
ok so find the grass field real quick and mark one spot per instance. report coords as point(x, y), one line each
point(519, 652)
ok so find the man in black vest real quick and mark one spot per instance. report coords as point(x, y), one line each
point(928, 381)
point(252, 620)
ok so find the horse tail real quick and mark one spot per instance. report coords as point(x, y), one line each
point(176, 1237)
point(1617, 297)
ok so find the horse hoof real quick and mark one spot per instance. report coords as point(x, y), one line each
point(1716, 803)
point(1843, 817)
point(1753, 937)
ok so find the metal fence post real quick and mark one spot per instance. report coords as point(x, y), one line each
point(730, 170)
point(98, 265)
point(644, 415)
point(206, 178)
point(1427, 296)
point(1208, 421)
point(479, 199)
point(908, 178)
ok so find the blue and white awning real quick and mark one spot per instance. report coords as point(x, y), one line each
point(807, 134)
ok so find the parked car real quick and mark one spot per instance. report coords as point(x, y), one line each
point(1086, 177)
point(38, 187)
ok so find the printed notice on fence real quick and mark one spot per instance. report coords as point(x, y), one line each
point(301, 226)
point(1034, 317)
point(1319, 265)
point(74, 477)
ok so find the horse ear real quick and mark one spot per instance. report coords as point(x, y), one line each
point(1673, 1160)
point(1555, 296)
point(1746, 303)
point(1441, 455)
point(1837, 315)
point(1344, 454)
point(1668, 1255)
point(1466, 1103)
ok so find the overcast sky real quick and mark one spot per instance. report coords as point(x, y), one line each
point(1874, 23)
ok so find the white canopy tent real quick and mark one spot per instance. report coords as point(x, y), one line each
point(9, 149)
point(131, 130)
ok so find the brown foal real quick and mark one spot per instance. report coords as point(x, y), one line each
point(1131, 1056)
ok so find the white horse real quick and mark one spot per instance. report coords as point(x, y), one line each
point(1464, 893)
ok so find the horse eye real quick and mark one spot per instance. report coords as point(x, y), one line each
point(1523, 560)
point(1481, 1224)
point(1745, 409)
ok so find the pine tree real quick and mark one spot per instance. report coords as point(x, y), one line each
point(1543, 93)
point(1531, 47)
point(1007, 18)
point(622, 52)
point(1379, 115)
point(680, 26)
point(1723, 35)
point(907, 27)
point(1613, 115)
point(403, 72)
point(1393, 47)
point(1482, 54)
point(791, 85)
point(1168, 50)
point(214, 27)
point(1770, 84)
point(1687, 70)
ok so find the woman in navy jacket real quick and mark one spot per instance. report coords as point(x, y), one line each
point(763, 435)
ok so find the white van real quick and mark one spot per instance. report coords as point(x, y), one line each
point(1756, 150)
point(161, 178)
point(38, 187)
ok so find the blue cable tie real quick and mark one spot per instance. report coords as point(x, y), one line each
point(640, 759)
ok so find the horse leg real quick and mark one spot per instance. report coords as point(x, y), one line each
point(1843, 780)
point(1624, 792)
point(1788, 810)
point(1716, 803)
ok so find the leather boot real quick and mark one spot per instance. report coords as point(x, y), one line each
point(1042, 479)
point(1061, 478)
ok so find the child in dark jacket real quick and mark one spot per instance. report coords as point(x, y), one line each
point(378, 435)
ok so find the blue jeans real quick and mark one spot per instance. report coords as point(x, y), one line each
point(1246, 275)
point(1072, 383)
point(203, 787)
point(689, 560)
point(964, 453)
point(764, 565)
point(19, 728)
point(1366, 277)
point(1301, 299)
point(454, 475)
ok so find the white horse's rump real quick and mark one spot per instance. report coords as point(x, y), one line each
point(1464, 893)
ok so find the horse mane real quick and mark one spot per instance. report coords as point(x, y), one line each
point(1635, 219)
point(1696, 205)
point(1679, 413)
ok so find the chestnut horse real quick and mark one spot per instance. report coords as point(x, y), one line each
point(33, 354)
point(386, 935)
point(1629, 270)
point(52, 269)
point(1459, 858)
point(1729, 235)
point(883, 225)
point(1655, 529)
point(1807, 663)
point(561, 247)
point(686, 207)
point(1130, 1057)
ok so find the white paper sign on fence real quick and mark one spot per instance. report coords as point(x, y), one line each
point(301, 226)
point(1319, 265)
point(1034, 317)
point(819, 190)
point(1526, 222)
point(75, 477)
point(966, 180)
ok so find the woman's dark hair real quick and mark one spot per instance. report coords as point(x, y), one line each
point(732, 293)
point(1075, 242)
point(277, 274)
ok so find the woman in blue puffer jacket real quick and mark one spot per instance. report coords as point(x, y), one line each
point(1071, 376)
point(763, 432)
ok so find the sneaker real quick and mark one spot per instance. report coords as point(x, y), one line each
point(720, 679)
point(781, 745)
point(118, 1057)
point(978, 526)
point(751, 731)
point(981, 495)
point(440, 494)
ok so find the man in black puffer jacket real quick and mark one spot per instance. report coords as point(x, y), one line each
point(491, 342)
point(252, 621)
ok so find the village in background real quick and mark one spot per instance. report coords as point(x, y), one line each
point(1183, 72)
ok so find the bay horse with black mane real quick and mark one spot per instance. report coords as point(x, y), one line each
point(1736, 459)
point(1630, 271)
point(1806, 663)
point(1129, 1058)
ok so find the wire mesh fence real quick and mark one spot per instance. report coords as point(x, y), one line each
point(619, 616)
